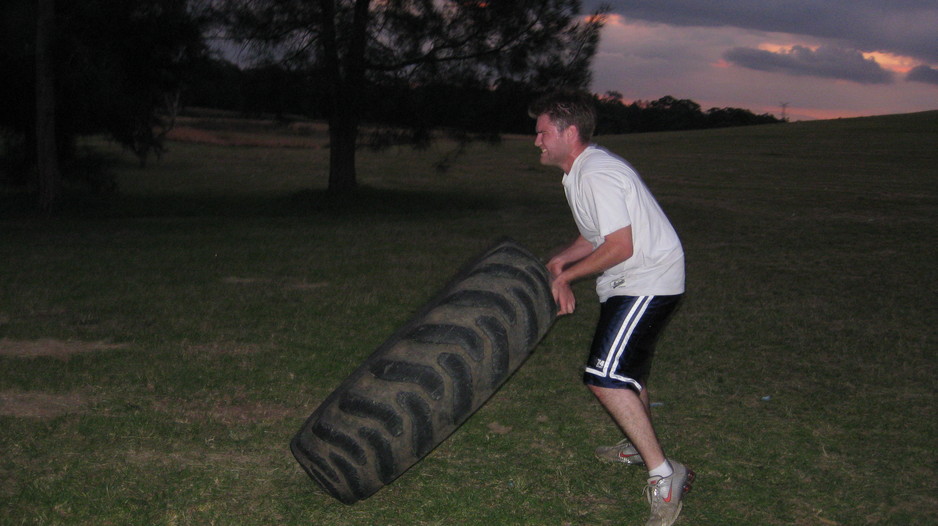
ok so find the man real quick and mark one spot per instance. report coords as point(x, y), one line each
point(626, 238)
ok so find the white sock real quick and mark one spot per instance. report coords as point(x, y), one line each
point(664, 470)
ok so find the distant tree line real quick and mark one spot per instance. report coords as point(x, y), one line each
point(668, 114)
point(279, 91)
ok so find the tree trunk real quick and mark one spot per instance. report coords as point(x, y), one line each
point(47, 153)
point(348, 77)
point(343, 136)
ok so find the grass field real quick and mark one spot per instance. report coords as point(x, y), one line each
point(158, 349)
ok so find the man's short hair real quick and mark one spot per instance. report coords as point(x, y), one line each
point(567, 108)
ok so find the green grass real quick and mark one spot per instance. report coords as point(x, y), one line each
point(220, 296)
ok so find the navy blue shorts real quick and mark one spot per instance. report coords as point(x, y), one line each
point(624, 343)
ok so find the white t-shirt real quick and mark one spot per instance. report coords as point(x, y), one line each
point(606, 194)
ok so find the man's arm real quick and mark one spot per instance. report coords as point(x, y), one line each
point(575, 251)
point(579, 260)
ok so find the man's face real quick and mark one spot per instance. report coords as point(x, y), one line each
point(555, 144)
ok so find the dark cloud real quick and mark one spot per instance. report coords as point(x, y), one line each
point(923, 74)
point(829, 62)
point(902, 27)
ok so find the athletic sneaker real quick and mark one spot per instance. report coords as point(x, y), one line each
point(666, 495)
point(623, 452)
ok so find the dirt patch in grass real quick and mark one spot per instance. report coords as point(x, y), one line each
point(232, 138)
point(231, 460)
point(51, 348)
point(288, 284)
point(223, 349)
point(226, 410)
point(36, 404)
point(249, 412)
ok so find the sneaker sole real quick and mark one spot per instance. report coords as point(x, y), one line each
point(618, 458)
point(622, 460)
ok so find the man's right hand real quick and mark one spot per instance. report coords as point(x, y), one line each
point(563, 296)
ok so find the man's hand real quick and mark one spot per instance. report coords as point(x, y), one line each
point(563, 296)
point(555, 267)
point(579, 260)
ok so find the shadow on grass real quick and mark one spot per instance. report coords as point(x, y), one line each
point(364, 202)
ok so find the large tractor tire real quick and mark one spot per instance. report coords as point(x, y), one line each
point(430, 376)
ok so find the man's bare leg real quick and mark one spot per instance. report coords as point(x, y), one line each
point(632, 414)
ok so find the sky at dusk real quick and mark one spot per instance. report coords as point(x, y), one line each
point(821, 58)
